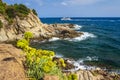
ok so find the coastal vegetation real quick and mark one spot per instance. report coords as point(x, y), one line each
point(34, 11)
point(40, 62)
point(14, 10)
point(11, 11)
point(2, 7)
point(72, 77)
point(1, 24)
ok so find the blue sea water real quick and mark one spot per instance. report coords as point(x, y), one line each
point(103, 49)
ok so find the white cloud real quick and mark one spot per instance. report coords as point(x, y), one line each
point(79, 2)
point(64, 3)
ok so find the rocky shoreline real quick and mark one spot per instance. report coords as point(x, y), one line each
point(33, 24)
point(12, 59)
point(12, 68)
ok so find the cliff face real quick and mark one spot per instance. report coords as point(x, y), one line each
point(17, 19)
point(19, 26)
point(33, 24)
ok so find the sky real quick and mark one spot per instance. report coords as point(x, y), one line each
point(72, 8)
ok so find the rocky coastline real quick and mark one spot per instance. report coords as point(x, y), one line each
point(12, 59)
point(41, 32)
point(33, 24)
point(12, 68)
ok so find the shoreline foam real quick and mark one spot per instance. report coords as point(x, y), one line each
point(85, 36)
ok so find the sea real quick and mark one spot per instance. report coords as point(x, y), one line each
point(98, 47)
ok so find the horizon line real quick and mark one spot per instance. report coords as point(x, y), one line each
point(82, 17)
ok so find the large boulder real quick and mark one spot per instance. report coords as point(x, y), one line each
point(11, 67)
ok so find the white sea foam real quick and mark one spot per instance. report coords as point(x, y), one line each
point(59, 55)
point(77, 27)
point(43, 41)
point(88, 58)
point(54, 39)
point(85, 36)
point(80, 64)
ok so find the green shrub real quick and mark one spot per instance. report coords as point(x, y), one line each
point(10, 20)
point(72, 77)
point(2, 7)
point(34, 11)
point(10, 11)
point(1, 24)
point(21, 10)
point(39, 62)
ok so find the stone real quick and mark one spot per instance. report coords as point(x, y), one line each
point(11, 67)
point(50, 77)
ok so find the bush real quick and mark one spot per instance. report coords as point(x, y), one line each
point(10, 11)
point(21, 10)
point(28, 35)
point(34, 12)
point(1, 24)
point(2, 7)
point(10, 20)
point(72, 77)
point(39, 62)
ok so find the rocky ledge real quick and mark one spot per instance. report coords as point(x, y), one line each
point(97, 74)
point(11, 67)
point(61, 31)
point(31, 23)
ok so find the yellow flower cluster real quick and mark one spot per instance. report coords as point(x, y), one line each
point(39, 62)
point(62, 63)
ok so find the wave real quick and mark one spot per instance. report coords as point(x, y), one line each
point(54, 39)
point(88, 58)
point(77, 27)
point(85, 36)
point(59, 55)
point(80, 64)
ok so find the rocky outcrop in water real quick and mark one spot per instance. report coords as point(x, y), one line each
point(65, 30)
point(33, 24)
point(23, 19)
